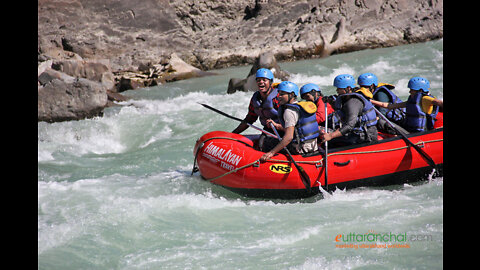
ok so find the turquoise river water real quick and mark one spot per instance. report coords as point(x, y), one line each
point(115, 192)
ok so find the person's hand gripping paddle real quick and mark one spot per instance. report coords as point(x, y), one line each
point(301, 171)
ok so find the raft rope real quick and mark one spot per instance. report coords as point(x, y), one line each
point(195, 169)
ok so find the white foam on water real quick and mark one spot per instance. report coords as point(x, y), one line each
point(45, 155)
point(381, 68)
point(144, 121)
point(165, 133)
point(348, 262)
point(401, 88)
point(98, 136)
point(277, 241)
point(64, 211)
point(325, 82)
point(68, 210)
point(140, 209)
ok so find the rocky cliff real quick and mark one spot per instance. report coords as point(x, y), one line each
point(140, 36)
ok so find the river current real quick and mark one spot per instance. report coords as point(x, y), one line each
point(115, 192)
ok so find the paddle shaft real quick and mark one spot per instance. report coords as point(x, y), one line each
point(422, 153)
point(301, 171)
point(326, 149)
point(238, 119)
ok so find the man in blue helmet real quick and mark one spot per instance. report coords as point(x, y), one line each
point(421, 107)
point(382, 92)
point(355, 118)
point(263, 104)
point(311, 92)
point(297, 120)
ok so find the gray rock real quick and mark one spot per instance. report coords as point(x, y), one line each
point(205, 34)
point(169, 69)
point(73, 89)
point(215, 34)
point(60, 101)
point(264, 60)
point(94, 70)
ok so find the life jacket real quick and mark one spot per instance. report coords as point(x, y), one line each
point(417, 120)
point(365, 91)
point(395, 115)
point(307, 126)
point(367, 117)
point(265, 110)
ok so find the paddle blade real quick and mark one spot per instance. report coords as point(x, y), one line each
point(422, 153)
point(305, 178)
point(303, 175)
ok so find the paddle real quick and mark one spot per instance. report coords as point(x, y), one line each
point(422, 153)
point(301, 171)
point(238, 119)
point(326, 149)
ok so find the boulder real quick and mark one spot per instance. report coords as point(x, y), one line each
point(50, 74)
point(94, 70)
point(264, 60)
point(60, 100)
point(168, 69)
point(74, 89)
point(179, 70)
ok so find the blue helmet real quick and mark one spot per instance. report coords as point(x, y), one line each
point(309, 87)
point(264, 73)
point(367, 79)
point(288, 87)
point(419, 83)
point(343, 81)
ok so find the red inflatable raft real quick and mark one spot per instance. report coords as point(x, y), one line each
point(229, 160)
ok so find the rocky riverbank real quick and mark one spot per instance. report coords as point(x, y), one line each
point(90, 50)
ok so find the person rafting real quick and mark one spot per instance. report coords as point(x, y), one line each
point(297, 121)
point(355, 118)
point(311, 92)
point(383, 92)
point(421, 107)
point(263, 105)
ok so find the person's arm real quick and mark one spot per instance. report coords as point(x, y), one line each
point(287, 138)
point(250, 118)
point(328, 136)
point(353, 108)
point(278, 126)
point(438, 102)
point(241, 127)
point(382, 97)
point(389, 105)
point(290, 119)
